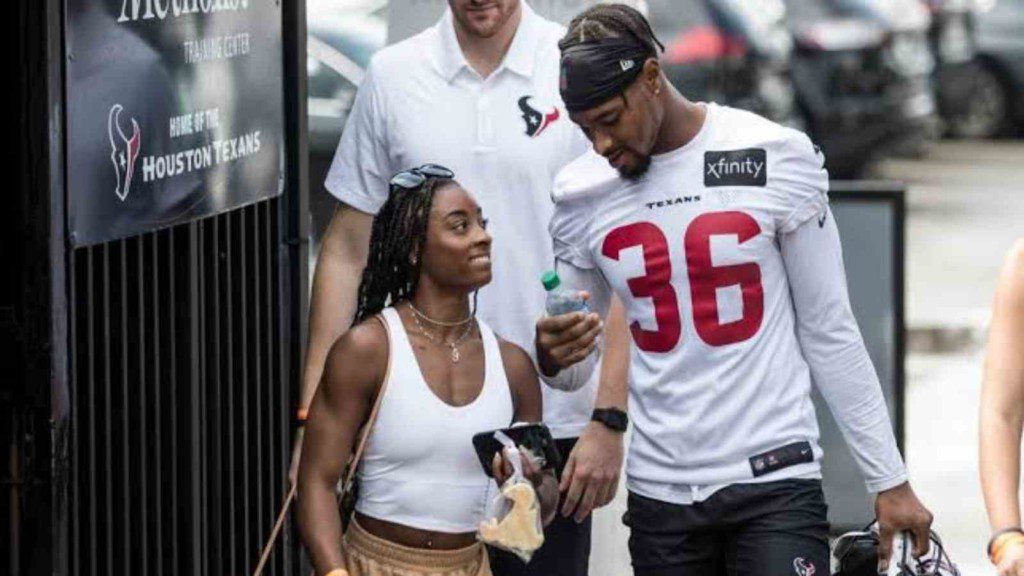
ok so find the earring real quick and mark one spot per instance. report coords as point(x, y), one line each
point(413, 260)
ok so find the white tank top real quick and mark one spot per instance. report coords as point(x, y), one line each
point(419, 468)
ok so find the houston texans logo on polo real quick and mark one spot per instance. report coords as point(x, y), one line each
point(536, 121)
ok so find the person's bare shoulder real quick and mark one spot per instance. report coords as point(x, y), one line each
point(522, 381)
point(359, 357)
point(518, 364)
point(1015, 259)
point(1011, 280)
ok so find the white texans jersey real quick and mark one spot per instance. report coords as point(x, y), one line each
point(719, 387)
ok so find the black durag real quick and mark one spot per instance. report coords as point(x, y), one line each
point(595, 72)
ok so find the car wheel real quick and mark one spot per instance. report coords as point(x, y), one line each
point(986, 113)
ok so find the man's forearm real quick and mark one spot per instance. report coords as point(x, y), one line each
point(1000, 468)
point(613, 385)
point(332, 307)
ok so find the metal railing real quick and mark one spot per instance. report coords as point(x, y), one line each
point(180, 440)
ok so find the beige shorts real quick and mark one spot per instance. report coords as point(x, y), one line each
point(369, 555)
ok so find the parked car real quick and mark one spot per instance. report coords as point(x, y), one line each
point(342, 35)
point(862, 79)
point(338, 49)
point(997, 103)
point(733, 52)
point(954, 46)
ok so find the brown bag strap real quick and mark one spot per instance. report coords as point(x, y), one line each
point(365, 433)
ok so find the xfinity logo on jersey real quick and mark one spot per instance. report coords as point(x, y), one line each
point(536, 121)
point(735, 167)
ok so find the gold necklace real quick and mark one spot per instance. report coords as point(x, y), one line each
point(423, 316)
point(454, 345)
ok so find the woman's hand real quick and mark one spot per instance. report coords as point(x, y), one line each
point(543, 481)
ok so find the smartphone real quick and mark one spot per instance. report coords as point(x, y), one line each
point(536, 437)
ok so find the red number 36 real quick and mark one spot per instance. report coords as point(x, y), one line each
point(705, 279)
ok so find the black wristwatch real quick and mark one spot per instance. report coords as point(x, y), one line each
point(613, 418)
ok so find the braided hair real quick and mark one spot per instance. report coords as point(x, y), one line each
point(396, 243)
point(610, 21)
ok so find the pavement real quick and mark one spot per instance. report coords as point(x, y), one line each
point(965, 209)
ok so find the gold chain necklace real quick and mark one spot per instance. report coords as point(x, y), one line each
point(454, 345)
point(423, 316)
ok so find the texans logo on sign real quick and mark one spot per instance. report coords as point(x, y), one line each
point(124, 151)
point(536, 122)
point(803, 567)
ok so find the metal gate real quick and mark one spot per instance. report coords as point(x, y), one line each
point(146, 384)
point(181, 437)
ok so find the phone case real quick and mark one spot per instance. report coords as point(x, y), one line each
point(536, 437)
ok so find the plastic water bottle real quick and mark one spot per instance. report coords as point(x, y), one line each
point(561, 300)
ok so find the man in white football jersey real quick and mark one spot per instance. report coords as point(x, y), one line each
point(712, 226)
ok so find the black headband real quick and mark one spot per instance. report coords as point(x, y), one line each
point(595, 72)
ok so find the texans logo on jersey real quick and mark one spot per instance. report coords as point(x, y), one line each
point(536, 121)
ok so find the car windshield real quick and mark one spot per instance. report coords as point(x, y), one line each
point(670, 17)
point(760, 15)
point(804, 10)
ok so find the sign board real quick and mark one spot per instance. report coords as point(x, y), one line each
point(174, 112)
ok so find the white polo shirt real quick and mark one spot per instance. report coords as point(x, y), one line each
point(505, 137)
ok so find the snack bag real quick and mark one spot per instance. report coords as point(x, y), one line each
point(513, 515)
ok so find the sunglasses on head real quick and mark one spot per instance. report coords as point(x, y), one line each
point(415, 177)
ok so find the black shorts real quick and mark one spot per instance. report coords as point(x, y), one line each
point(770, 529)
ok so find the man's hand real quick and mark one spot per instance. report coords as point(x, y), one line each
point(899, 510)
point(566, 339)
point(591, 475)
point(293, 470)
point(1012, 562)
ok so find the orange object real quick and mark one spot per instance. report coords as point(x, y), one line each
point(518, 530)
point(1002, 543)
point(302, 415)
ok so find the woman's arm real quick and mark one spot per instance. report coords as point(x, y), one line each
point(352, 376)
point(1002, 397)
point(526, 397)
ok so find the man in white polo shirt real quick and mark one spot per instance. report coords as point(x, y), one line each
point(476, 93)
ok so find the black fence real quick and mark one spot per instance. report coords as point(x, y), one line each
point(146, 384)
point(180, 445)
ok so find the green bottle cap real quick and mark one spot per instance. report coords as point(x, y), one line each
point(550, 280)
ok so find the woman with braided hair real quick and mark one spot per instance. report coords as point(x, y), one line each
point(443, 375)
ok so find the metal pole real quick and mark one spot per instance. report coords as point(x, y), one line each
point(15, 495)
